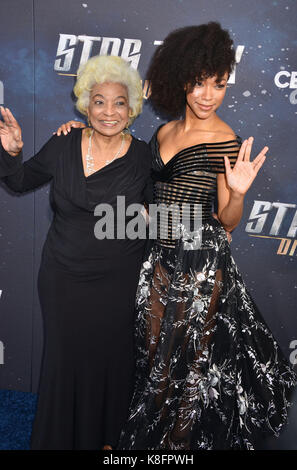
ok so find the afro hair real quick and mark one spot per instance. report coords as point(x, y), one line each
point(188, 55)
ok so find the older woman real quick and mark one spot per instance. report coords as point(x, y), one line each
point(86, 285)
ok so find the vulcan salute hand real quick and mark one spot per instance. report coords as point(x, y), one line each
point(244, 171)
point(10, 133)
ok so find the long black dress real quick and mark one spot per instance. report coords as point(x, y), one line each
point(209, 373)
point(87, 292)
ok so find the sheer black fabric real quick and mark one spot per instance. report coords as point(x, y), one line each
point(188, 181)
point(210, 374)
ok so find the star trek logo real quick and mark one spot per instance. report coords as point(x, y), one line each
point(277, 217)
point(74, 51)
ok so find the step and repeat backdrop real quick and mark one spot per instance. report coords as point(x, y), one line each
point(42, 45)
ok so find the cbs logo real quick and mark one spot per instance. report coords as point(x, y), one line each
point(284, 79)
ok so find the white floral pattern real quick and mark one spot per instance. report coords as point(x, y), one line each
point(209, 375)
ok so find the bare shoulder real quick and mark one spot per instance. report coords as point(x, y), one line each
point(167, 129)
point(224, 131)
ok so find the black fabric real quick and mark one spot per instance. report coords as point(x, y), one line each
point(189, 178)
point(209, 373)
point(87, 290)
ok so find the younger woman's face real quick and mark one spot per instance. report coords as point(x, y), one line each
point(206, 96)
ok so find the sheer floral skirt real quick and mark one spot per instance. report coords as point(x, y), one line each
point(210, 374)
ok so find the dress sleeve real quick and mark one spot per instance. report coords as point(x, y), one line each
point(216, 152)
point(9, 164)
point(35, 172)
point(232, 152)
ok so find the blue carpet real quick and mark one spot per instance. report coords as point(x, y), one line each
point(17, 411)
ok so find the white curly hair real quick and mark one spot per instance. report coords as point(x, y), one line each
point(103, 69)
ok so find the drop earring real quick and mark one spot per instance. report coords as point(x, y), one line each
point(89, 130)
point(126, 129)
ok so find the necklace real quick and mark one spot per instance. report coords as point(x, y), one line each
point(90, 159)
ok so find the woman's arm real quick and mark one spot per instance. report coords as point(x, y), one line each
point(36, 171)
point(234, 184)
point(230, 204)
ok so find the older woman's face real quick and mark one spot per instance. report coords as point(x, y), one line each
point(108, 110)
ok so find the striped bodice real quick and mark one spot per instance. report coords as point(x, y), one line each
point(190, 178)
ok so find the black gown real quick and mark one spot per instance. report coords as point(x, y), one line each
point(209, 373)
point(87, 293)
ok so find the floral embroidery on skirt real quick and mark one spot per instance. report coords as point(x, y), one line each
point(210, 374)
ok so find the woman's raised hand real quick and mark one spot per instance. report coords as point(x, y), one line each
point(65, 128)
point(10, 133)
point(244, 171)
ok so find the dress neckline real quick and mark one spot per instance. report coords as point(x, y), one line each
point(157, 146)
point(104, 167)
